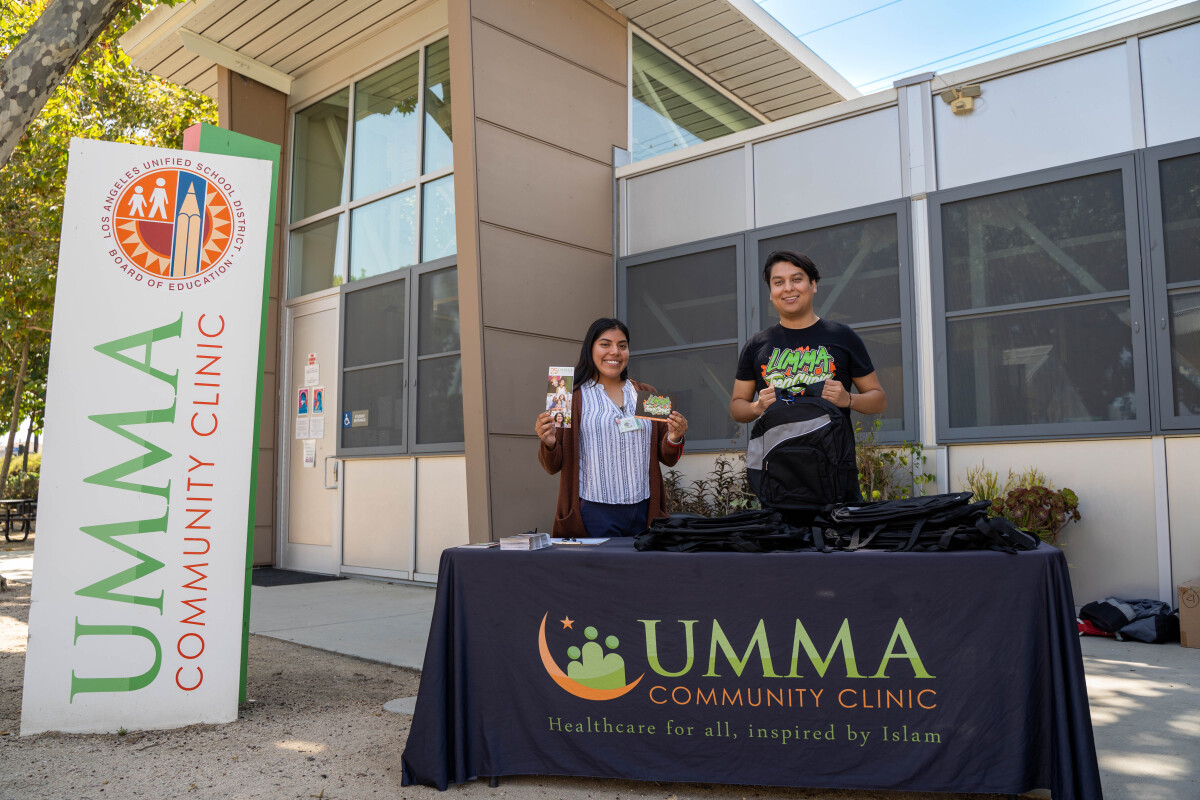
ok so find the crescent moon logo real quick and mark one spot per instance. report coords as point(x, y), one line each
point(575, 687)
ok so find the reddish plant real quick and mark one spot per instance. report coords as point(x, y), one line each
point(1039, 510)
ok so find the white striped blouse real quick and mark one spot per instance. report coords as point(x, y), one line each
point(614, 467)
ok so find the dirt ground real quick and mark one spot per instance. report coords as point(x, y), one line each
point(315, 729)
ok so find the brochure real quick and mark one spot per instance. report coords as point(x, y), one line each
point(559, 386)
point(653, 406)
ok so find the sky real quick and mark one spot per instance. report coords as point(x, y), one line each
point(875, 42)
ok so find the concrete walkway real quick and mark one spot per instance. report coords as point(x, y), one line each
point(1145, 699)
point(380, 621)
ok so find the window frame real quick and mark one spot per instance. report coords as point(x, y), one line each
point(755, 315)
point(348, 205)
point(738, 242)
point(632, 31)
point(413, 275)
point(1168, 421)
point(1142, 423)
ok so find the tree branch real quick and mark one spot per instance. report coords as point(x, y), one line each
point(42, 59)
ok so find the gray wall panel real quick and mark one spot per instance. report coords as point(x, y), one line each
point(1062, 113)
point(530, 186)
point(516, 390)
point(1169, 61)
point(695, 200)
point(249, 107)
point(545, 97)
point(542, 287)
point(523, 494)
point(574, 30)
point(846, 164)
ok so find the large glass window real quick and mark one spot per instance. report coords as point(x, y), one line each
point(319, 156)
point(397, 199)
point(675, 108)
point(1040, 305)
point(401, 362)
point(439, 361)
point(864, 284)
point(682, 310)
point(1174, 188)
point(691, 308)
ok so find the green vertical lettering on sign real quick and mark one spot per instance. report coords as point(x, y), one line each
point(116, 423)
point(103, 589)
point(80, 685)
point(116, 349)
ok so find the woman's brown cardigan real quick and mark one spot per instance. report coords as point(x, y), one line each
point(563, 459)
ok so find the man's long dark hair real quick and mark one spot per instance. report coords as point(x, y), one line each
point(585, 370)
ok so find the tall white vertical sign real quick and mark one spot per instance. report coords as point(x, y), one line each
point(136, 613)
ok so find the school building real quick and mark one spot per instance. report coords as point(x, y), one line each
point(468, 183)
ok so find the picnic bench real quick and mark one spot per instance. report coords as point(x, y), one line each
point(18, 516)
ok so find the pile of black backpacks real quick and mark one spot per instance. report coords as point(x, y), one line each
point(800, 462)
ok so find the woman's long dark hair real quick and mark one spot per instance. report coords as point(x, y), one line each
point(585, 370)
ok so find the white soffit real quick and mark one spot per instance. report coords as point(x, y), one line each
point(744, 49)
point(278, 39)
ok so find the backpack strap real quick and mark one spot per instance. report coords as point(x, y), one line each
point(855, 544)
point(912, 537)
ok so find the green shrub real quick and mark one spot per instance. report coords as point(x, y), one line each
point(722, 491)
point(984, 483)
point(886, 472)
point(21, 484)
point(889, 472)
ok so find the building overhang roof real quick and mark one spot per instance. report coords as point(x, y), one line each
point(733, 42)
point(271, 41)
point(743, 49)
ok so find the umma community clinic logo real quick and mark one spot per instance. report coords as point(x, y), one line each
point(591, 673)
point(172, 227)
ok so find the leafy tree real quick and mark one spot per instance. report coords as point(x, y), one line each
point(102, 97)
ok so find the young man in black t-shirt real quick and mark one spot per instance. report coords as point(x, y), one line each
point(803, 354)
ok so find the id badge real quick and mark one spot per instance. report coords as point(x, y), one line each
point(628, 424)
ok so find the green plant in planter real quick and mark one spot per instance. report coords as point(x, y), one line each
point(723, 491)
point(889, 472)
point(1039, 509)
point(985, 484)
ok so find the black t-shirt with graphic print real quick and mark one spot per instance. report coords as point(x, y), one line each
point(800, 360)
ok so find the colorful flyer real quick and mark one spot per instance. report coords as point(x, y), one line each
point(318, 399)
point(559, 386)
point(302, 401)
point(653, 406)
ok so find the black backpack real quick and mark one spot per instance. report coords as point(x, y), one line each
point(801, 456)
point(757, 531)
point(932, 522)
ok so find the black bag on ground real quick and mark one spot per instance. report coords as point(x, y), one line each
point(760, 531)
point(934, 522)
point(1150, 621)
point(801, 456)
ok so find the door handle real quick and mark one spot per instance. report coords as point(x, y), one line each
point(335, 472)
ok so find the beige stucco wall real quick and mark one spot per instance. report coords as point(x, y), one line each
point(1183, 498)
point(389, 501)
point(1113, 549)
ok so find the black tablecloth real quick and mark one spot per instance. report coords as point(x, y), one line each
point(950, 672)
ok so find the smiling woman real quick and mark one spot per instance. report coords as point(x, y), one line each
point(610, 482)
